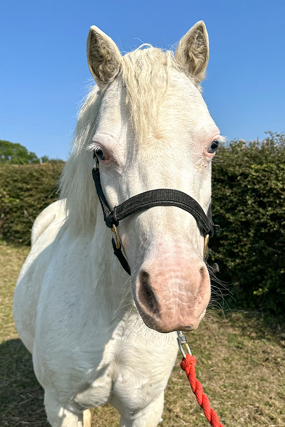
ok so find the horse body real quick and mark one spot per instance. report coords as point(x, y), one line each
point(95, 334)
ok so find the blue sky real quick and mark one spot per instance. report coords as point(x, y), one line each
point(44, 74)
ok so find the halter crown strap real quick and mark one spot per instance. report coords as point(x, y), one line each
point(104, 204)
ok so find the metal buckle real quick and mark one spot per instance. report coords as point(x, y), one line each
point(206, 241)
point(182, 341)
point(117, 238)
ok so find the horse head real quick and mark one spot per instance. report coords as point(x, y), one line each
point(152, 129)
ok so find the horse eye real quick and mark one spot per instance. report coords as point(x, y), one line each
point(100, 154)
point(213, 147)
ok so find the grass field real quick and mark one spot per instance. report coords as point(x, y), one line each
point(240, 362)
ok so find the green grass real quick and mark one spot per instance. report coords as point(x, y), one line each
point(240, 362)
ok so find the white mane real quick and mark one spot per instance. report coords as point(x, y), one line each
point(147, 74)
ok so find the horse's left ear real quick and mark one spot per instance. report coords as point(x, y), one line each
point(103, 56)
point(193, 52)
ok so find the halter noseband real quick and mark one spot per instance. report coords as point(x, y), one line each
point(147, 200)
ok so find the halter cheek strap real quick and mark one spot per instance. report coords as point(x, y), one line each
point(147, 200)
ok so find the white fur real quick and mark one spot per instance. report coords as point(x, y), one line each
point(74, 304)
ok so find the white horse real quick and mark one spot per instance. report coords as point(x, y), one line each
point(96, 334)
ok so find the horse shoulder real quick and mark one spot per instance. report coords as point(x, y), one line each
point(28, 287)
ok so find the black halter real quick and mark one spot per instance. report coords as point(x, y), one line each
point(147, 200)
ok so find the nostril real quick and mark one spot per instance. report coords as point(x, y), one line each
point(146, 294)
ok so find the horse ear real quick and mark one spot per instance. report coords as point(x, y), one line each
point(193, 51)
point(103, 57)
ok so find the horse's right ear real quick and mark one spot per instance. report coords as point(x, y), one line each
point(103, 56)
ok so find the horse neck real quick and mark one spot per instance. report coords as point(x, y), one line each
point(113, 288)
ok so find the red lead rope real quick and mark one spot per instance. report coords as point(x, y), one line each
point(188, 365)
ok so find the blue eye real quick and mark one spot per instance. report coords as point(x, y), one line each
point(100, 154)
point(213, 147)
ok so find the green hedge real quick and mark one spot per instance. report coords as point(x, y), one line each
point(25, 190)
point(249, 205)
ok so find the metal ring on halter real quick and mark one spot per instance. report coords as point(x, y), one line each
point(117, 238)
point(182, 341)
point(206, 241)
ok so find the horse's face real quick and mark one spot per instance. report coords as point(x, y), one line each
point(168, 147)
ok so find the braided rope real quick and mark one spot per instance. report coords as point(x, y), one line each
point(188, 365)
